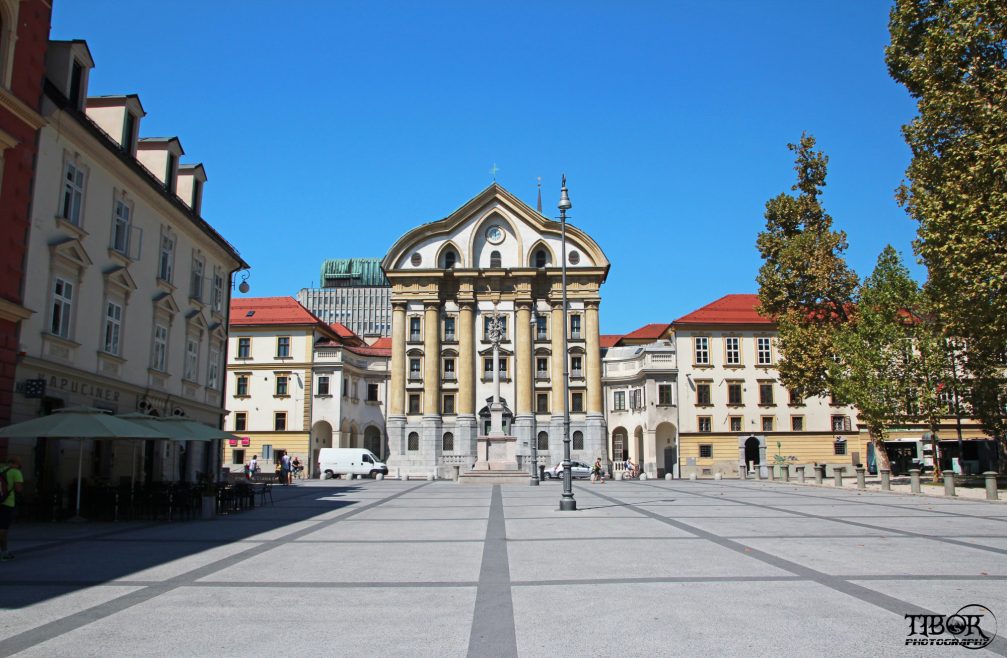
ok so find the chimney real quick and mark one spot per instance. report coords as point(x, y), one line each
point(119, 117)
point(191, 178)
point(160, 156)
point(68, 65)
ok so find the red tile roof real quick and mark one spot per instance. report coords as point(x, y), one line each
point(729, 309)
point(385, 343)
point(649, 331)
point(346, 334)
point(370, 351)
point(247, 311)
point(609, 340)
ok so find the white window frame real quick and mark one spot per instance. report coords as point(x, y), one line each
point(764, 350)
point(218, 290)
point(323, 380)
point(196, 277)
point(213, 368)
point(732, 351)
point(701, 353)
point(62, 302)
point(166, 259)
point(112, 335)
point(71, 205)
point(122, 224)
point(285, 341)
point(285, 380)
point(159, 355)
point(191, 371)
point(619, 401)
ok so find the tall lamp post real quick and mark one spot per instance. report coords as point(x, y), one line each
point(533, 476)
point(567, 502)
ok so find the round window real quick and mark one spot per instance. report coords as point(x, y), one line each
point(574, 257)
point(416, 259)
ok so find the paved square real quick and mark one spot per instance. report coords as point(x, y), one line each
point(438, 569)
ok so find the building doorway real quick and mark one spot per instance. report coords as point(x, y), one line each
point(752, 451)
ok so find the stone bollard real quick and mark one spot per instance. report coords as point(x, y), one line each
point(772, 472)
point(643, 476)
point(837, 475)
point(380, 476)
point(619, 475)
point(430, 477)
point(861, 478)
point(692, 476)
point(819, 473)
point(914, 480)
point(742, 472)
point(458, 472)
point(758, 473)
point(886, 479)
point(801, 473)
point(667, 476)
point(717, 476)
point(949, 484)
point(991, 485)
point(785, 472)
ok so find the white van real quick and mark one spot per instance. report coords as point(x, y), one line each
point(349, 461)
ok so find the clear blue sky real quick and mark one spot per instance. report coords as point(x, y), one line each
point(328, 129)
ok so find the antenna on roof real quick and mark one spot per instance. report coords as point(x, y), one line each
point(538, 206)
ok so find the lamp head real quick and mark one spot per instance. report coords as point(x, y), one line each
point(564, 198)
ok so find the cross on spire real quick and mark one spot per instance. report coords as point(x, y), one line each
point(493, 171)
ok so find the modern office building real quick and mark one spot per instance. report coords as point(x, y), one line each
point(355, 293)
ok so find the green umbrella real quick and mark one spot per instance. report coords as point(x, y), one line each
point(81, 423)
point(197, 431)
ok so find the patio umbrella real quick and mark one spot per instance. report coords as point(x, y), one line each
point(171, 431)
point(197, 431)
point(81, 423)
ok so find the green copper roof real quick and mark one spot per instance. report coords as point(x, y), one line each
point(353, 273)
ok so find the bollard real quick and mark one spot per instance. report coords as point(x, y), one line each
point(914, 480)
point(742, 472)
point(717, 476)
point(819, 473)
point(837, 475)
point(861, 478)
point(430, 477)
point(692, 476)
point(801, 473)
point(380, 476)
point(949, 484)
point(785, 472)
point(643, 476)
point(886, 479)
point(667, 476)
point(458, 472)
point(758, 473)
point(991, 485)
point(772, 472)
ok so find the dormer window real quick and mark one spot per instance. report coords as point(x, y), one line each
point(450, 259)
point(77, 84)
point(169, 181)
point(541, 259)
point(129, 133)
point(495, 260)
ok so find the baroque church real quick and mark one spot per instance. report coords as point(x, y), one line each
point(491, 269)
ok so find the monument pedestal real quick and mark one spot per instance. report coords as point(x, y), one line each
point(496, 453)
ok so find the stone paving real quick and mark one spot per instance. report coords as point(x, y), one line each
point(438, 569)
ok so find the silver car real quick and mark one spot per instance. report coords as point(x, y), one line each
point(577, 470)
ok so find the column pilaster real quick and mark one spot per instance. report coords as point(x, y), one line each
point(396, 403)
point(558, 323)
point(466, 360)
point(594, 390)
point(431, 359)
point(522, 353)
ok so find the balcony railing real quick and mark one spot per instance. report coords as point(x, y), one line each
point(415, 375)
point(449, 338)
point(577, 374)
point(575, 335)
point(541, 335)
point(449, 375)
point(415, 338)
point(542, 374)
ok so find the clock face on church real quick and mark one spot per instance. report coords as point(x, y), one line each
point(494, 234)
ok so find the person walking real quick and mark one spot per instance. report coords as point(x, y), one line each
point(11, 484)
point(285, 461)
point(597, 472)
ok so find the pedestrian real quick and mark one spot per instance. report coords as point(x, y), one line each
point(253, 466)
point(11, 484)
point(597, 472)
point(296, 465)
point(285, 461)
point(628, 467)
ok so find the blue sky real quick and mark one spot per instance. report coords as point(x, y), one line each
point(328, 129)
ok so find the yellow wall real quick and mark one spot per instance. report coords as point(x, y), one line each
point(295, 443)
point(807, 448)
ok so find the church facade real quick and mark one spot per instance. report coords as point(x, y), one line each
point(495, 257)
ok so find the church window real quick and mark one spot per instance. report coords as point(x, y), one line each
point(541, 259)
point(450, 259)
point(495, 260)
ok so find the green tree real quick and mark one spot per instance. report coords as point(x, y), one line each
point(950, 55)
point(804, 282)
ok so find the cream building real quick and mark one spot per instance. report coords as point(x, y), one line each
point(494, 255)
point(128, 283)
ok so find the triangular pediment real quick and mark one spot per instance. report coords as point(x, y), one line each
point(165, 302)
point(120, 278)
point(71, 252)
point(489, 352)
point(196, 319)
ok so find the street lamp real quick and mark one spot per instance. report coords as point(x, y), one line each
point(566, 503)
point(533, 477)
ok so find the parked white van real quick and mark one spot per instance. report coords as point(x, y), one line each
point(333, 462)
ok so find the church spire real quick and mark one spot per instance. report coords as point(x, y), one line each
point(538, 206)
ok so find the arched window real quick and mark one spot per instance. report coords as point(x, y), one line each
point(578, 440)
point(448, 444)
point(543, 440)
point(541, 258)
point(450, 258)
point(413, 442)
point(495, 259)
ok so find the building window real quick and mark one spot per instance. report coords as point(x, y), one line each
point(62, 307)
point(414, 329)
point(73, 194)
point(576, 366)
point(705, 450)
point(541, 368)
point(764, 350)
point(448, 442)
point(323, 385)
point(281, 385)
point(619, 401)
point(240, 421)
point(241, 386)
point(702, 352)
point(449, 369)
point(732, 348)
point(636, 399)
point(542, 403)
point(372, 392)
point(414, 403)
point(282, 347)
point(449, 329)
point(414, 368)
point(735, 423)
point(541, 259)
point(280, 421)
point(413, 442)
point(346, 387)
point(768, 423)
point(238, 456)
point(213, 368)
point(129, 132)
point(578, 440)
point(543, 440)
point(795, 401)
point(120, 227)
point(541, 327)
point(835, 400)
point(664, 395)
point(575, 327)
point(704, 424)
point(797, 423)
point(113, 327)
point(267, 453)
point(169, 172)
point(766, 394)
point(448, 405)
point(839, 447)
point(191, 358)
point(495, 260)
point(76, 84)
point(450, 258)
point(703, 396)
point(218, 291)
point(841, 424)
point(167, 262)
point(488, 367)
point(160, 353)
point(734, 393)
point(196, 279)
point(576, 402)
point(244, 348)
